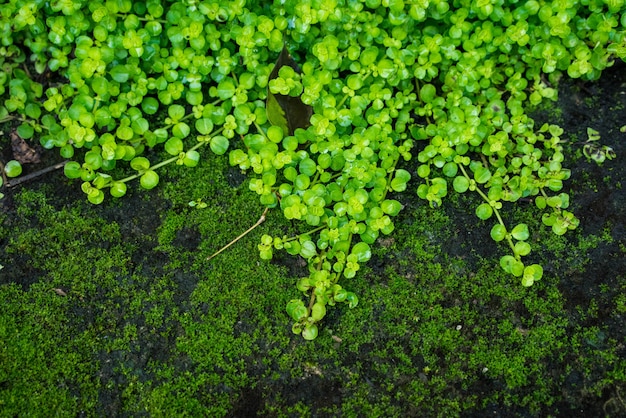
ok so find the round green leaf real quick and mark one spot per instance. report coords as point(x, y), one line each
point(340, 295)
point(149, 179)
point(296, 309)
point(93, 159)
point(450, 169)
point(181, 130)
point(226, 89)
point(25, 131)
point(140, 163)
point(140, 126)
point(191, 158)
point(13, 168)
point(174, 146)
point(176, 112)
point(498, 232)
point(460, 184)
point(150, 105)
point(204, 126)
point(95, 196)
point(118, 189)
point(32, 110)
point(423, 170)
point(219, 144)
point(362, 251)
point(520, 232)
point(391, 207)
point(307, 167)
point(318, 311)
point(540, 201)
point(511, 265)
point(352, 300)
point(531, 274)
point(484, 211)
point(124, 132)
point(72, 170)
point(522, 248)
point(308, 249)
point(427, 93)
point(482, 175)
point(302, 181)
point(120, 73)
point(67, 151)
point(309, 332)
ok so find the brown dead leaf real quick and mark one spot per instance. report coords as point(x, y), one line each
point(22, 152)
point(59, 292)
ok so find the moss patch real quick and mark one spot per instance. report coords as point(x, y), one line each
point(114, 310)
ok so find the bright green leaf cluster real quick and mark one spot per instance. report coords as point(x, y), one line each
point(376, 84)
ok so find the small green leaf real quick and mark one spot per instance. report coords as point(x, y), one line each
point(219, 144)
point(72, 170)
point(318, 311)
point(498, 232)
point(450, 169)
point(522, 248)
point(307, 167)
point(225, 89)
point(391, 207)
point(340, 295)
point(124, 132)
point(400, 180)
point(460, 184)
point(25, 131)
point(174, 146)
point(531, 274)
point(362, 251)
point(95, 196)
point(204, 126)
point(296, 309)
point(140, 163)
point(423, 170)
point(150, 105)
point(427, 93)
point(482, 175)
point(32, 110)
point(13, 168)
point(520, 232)
point(176, 112)
point(191, 158)
point(352, 300)
point(511, 265)
point(540, 202)
point(149, 179)
point(484, 211)
point(120, 73)
point(118, 189)
point(308, 249)
point(181, 130)
point(93, 159)
point(309, 332)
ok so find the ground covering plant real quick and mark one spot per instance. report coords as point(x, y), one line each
point(322, 102)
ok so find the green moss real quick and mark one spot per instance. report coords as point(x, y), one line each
point(46, 369)
point(148, 325)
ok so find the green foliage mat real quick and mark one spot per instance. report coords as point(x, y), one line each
point(322, 103)
point(324, 118)
point(108, 310)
